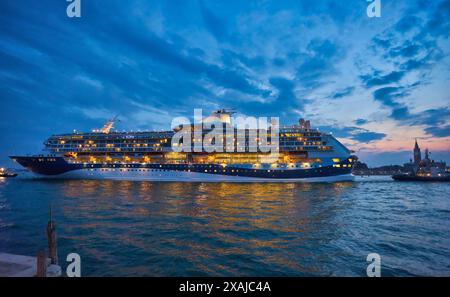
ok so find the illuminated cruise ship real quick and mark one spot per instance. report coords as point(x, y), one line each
point(304, 154)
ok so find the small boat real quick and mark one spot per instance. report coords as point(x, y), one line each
point(6, 173)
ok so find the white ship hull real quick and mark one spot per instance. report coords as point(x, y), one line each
point(182, 176)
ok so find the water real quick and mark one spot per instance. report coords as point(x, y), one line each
point(220, 229)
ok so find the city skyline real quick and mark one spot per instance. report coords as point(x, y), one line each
point(375, 83)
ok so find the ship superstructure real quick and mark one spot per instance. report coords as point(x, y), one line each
point(305, 154)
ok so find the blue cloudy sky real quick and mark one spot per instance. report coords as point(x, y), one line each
point(376, 83)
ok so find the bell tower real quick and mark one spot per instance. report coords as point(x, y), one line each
point(417, 154)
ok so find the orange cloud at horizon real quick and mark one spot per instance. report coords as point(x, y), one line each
point(400, 138)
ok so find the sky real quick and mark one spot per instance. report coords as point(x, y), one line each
point(375, 83)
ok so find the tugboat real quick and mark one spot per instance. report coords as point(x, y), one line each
point(412, 177)
point(424, 169)
point(6, 173)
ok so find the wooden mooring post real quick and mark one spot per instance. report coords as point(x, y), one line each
point(51, 238)
point(41, 264)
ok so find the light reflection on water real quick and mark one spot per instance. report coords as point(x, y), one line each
point(168, 229)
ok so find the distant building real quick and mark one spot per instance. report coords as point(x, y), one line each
point(415, 166)
point(425, 165)
point(409, 167)
point(425, 169)
point(417, 154)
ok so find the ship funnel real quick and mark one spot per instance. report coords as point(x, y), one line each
point(306, 125)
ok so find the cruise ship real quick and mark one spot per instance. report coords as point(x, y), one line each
point(304, 154)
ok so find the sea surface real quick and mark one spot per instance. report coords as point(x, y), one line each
point(124, 228)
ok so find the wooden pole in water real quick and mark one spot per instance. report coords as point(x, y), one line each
point(51, 238)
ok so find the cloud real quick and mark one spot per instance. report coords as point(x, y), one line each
point(439, 20)
point(231, 59)
point(407, 23)
point(281, 99)
point(378, 80)
point(318, 62)
point(214, 25)
point(407, 50)
point(384, 43)
point(431, 117)
point(354, 133)
point(439, 131)
point(343, 93)
point(360, 122)
point(368, 136)
point(89, 81)
point(93, 113)
point(400, 113)
point(387, 95)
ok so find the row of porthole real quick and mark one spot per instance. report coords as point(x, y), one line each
point(167, 166)
point(122, 170)
point(188, 170)
point(190, 166)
